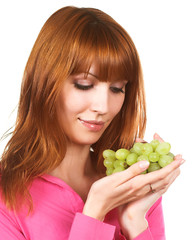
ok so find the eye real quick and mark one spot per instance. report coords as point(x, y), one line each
point(82, 87)
point(117, 90)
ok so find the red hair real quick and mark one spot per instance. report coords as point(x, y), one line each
point(69, 42)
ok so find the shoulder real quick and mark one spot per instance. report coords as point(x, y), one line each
point(6, 216)
point(47, 191)
point(2, 203)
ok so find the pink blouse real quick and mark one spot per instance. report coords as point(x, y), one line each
point(58, 215)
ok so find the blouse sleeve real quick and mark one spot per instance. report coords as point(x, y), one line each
point(84, 226)
point(156, 229)
point(8, 228)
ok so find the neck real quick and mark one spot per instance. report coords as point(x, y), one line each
point(77, 162)
point(77, 169)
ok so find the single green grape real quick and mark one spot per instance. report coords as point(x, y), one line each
point(146, 149)
point(164, 160)
point(109, 171)
point(154, 143)
point(137, 148)
point(108, 153)
point(119, 163)
point(142, 158)
point(121, 153)
point(171, 154)
point(131, 158)
point(153, 157)
point(108, 162)
point(118, 169)
point(163, 148)
point(116, 164)
point(153, 167)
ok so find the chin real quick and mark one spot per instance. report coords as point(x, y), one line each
point(86, 140)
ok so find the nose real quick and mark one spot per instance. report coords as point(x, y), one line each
point(100, 99)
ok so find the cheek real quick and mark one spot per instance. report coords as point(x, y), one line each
point(116, 104)
point(73, 103)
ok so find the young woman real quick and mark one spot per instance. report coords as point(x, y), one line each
point(82, 89)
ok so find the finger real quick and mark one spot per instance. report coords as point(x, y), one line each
point(161, 174)
point(131, 172)
point(175, 174)
point(166, 182)
point(156, 136)
point(178, 156)
point(171, 181)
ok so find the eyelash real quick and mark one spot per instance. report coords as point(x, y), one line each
point(82, 87)
point(117, 90)
point(87, 87)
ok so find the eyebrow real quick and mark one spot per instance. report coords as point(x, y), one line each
point(95, 76)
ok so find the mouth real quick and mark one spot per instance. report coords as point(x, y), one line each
point(92, 125)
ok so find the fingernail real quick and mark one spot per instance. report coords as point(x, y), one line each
point(182, 161)
point(177, 157)
point(155, 135)
point(143, 165)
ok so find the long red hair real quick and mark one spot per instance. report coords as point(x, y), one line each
point(69, 42)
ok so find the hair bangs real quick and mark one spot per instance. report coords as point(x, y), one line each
point(106, 47)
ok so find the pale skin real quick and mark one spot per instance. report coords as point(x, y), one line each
point(127, 190)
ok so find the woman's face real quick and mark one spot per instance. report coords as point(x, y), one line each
point(87, 106)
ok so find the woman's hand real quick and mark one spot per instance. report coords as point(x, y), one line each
point(115, 190)
point(128, 187)
point(132, 215)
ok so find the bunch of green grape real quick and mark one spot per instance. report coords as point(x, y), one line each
point(157, 153)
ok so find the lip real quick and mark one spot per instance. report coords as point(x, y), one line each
point(92, 125)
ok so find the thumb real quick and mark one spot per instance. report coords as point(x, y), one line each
point(140, 140)
point(157, 137)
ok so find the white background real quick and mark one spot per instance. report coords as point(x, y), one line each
point(161, 31)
